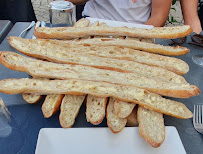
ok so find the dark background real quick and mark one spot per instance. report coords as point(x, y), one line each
point(22, 10)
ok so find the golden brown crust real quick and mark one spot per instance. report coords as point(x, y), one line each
point(151, 126)
point(70, 108)
point(176, 93)
point(31, 98)
point(115, 123)
point(82, 23)
point(148, 47)
point(68, 56)
point(132, 94)
point(67, 62)
point(156, 86)
point(95, 109)
point(96, 23)
point(172, 69)
point(132, 118)
point(180, 66)
point(134, 44)
point(148, 139)
point(123, 109)
point(71, 32)
point(51, 105)
point(7, 64)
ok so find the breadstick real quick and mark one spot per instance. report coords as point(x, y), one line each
point(82, 23)
point(41, 49)
point(95, 109)
point(132, 118)
point(123, 109)
point(51, 104)
point(133, 44)
point(102, 89)
point(72, 32)
point(69, 110)
point(31, 98)
point(151, 126)
point(115, 123)
point(44, 69)
point(60, 51)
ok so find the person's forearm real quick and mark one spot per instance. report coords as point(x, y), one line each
point(78, 2)
point(190, 15)
point(156, 21)
point(159, 13)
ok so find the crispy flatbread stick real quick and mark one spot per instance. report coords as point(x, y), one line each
point(61, 51)
point(82, 23)
point(51, 104)
point(95, 109)
point(102, 89)
point(41, 49)
point(151, 126)
point(115, 123)
point(31, 98)
point(133, 44)
point(123, 109)
point(132, 118)
point(72, 32)
point(38, 68)
point(69, 110)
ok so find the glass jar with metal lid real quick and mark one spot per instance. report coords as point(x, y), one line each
point(62, 13)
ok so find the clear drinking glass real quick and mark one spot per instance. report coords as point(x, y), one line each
point(10, 133)
point(62, 14)
point(198, 59)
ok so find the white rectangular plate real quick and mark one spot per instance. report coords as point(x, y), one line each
point(119, 23)
point(103, 141)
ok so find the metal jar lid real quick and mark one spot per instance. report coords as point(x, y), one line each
point(61, 5)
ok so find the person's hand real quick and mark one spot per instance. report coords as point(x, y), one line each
point(134, 1)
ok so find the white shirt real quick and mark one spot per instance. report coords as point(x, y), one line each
point(120, 10)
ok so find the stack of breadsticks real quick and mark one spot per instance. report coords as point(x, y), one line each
point(117, 67)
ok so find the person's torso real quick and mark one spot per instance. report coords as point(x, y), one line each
point(120, 10)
